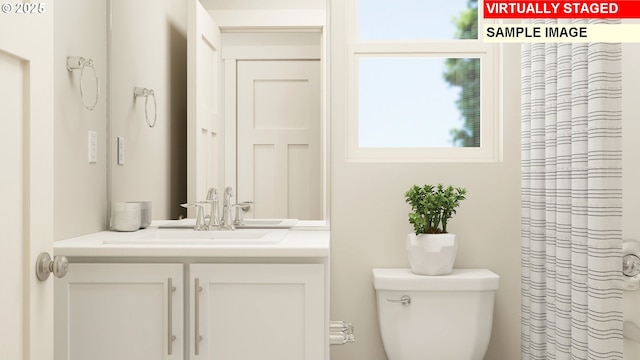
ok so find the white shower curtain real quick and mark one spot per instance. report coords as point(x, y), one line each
point(571, 201)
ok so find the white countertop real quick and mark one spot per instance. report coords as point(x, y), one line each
point(296, 243)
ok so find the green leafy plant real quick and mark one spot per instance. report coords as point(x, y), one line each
point(433, 206)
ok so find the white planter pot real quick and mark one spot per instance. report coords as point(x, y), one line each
point(431, 254)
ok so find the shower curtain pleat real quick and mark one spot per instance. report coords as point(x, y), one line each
point(571, 200)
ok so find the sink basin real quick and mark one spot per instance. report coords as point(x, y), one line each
point(191, 237)
point(267, 223)
point(246, 224)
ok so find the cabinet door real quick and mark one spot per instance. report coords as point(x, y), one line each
point(119, 311)
point(257, 311)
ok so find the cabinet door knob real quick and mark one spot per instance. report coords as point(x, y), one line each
point(59, 266)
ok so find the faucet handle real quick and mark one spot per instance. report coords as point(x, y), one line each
point(245, 205)
point(200, 223)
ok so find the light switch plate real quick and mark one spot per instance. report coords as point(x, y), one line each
point(93, 147)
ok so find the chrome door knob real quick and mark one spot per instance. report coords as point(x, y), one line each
point(59, 266)
point(630, 265)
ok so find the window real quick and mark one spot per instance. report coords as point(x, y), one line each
point(422, 86)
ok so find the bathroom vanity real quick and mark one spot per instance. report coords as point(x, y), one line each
point(149, 295)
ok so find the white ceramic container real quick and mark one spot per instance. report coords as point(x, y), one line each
point(431, 254)
point(145, 213)
point(125, 216)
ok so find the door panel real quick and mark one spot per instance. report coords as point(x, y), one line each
point(26, 184)
point(12, 73)
point(119, 311)
point(259, 311)
point(205, 144)
point(279, 138)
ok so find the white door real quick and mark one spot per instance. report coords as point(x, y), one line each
point(258, 311)
point(205, 136)
point(26, 183)
point(279, 161)
point(120, 311)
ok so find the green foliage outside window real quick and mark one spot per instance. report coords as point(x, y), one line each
point(465, 73)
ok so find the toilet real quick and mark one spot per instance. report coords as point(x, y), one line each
point(446, 317)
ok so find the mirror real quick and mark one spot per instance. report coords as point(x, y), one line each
point(254, 117)
point(268, 122)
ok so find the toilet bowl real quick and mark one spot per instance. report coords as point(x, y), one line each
point(435, 317)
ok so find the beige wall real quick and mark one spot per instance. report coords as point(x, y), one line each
point(369, 220)
point(80, 29)
point(149, 49)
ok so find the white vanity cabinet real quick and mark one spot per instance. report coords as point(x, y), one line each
point(258, 311)
point(226, 311)
point(120, 311)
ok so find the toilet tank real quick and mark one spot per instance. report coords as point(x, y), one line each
point(449, 317)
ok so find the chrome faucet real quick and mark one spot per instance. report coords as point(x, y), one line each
point(206, 222)
point(214, 221)
point(214, 216)
point(227, 221)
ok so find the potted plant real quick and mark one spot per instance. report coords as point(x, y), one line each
point(432, 249)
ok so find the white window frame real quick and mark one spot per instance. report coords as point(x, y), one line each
point(490, 77)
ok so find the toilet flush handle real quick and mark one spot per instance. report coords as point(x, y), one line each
point(404, 300)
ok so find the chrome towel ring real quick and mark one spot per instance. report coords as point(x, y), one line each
point(78, 62)
point(146, 93)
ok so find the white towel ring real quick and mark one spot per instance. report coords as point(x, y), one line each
point(78, 62)
point(146, 93)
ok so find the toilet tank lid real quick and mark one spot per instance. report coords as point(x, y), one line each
point(457, 280)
